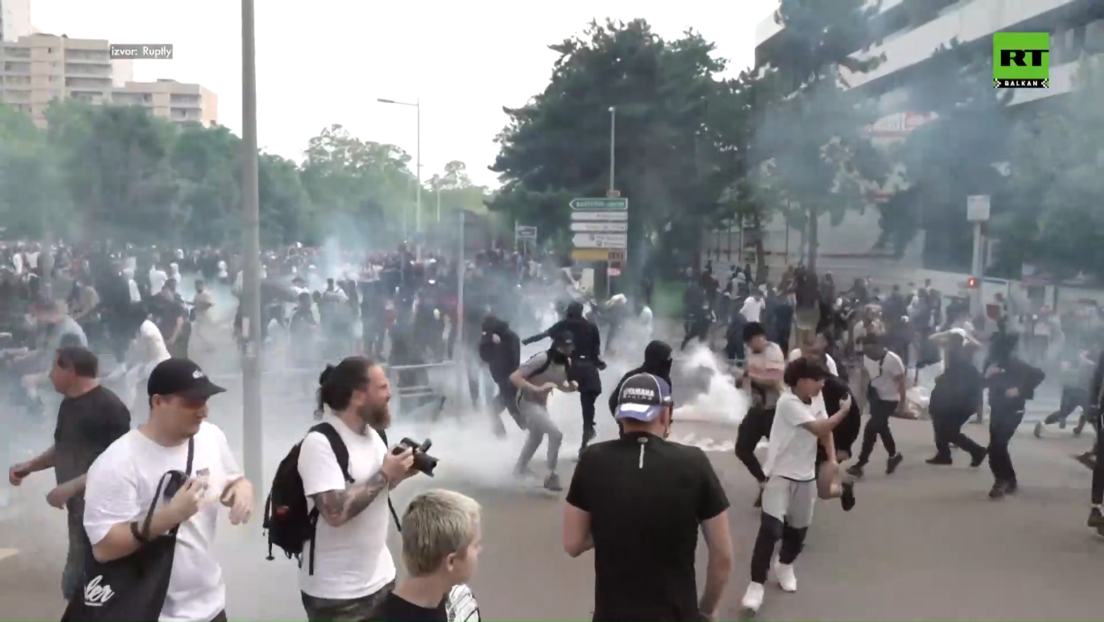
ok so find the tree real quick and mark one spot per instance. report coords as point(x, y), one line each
point(1055, 182)
point(32, 195)
point(207, 163)
point(950, 158)
point(557, 146)
point(814, 138)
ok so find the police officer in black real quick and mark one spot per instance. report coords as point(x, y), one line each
point(585, 361)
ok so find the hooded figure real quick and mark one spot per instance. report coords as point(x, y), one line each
point(1011, 383)
point(500, 349)
point(954, 400)
point(586, 361)
point(657, 362)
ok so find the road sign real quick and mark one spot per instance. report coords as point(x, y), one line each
point(600, 240)
point(600, 227)
point(601, 216)
point(525, 232)
point(601, 204)
point(977, 208)
point(597, 254)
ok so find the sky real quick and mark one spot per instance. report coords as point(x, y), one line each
point(328, 61)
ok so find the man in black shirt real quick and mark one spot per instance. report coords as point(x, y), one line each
point(90, 418)
point(638, 502)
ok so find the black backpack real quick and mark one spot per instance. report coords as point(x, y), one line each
point(287, 521)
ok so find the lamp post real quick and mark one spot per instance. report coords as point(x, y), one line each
point(252, 429)
point(417, 106)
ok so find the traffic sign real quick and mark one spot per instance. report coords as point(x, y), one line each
point(525, 232)
point(600, 240)
point(600, 227)
point(601, 216)
point(603, 203)
point(597, 254)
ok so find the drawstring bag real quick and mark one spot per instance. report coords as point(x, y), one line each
point(132, 588)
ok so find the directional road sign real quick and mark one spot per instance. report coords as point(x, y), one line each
point(600, 227)
point(597, 254)
point(601, 216)
point(525, 232)
point(600, 240)
point(600, 204)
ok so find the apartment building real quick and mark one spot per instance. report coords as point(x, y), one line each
point(169, 99)
point(908, 32)
point(37, 69)
point(15, 19)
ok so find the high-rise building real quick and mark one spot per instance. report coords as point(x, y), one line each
point(40, 68)
point(169, 99)
point(15, 19)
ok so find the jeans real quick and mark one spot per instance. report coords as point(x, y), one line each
point(755, 427)
point(878, 425)
point(1002, 426)
point(72, 576)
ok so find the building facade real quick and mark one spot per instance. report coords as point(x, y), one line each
point(37, 69)
point(15, 19)
point(908, 33)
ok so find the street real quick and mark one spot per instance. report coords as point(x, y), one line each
point(924, 544)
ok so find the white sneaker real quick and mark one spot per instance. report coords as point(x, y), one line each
point(753, 597)
point(786, 577)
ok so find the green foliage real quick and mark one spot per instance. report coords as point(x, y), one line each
point(811, 139)
point(557, 146)
point(120, 173)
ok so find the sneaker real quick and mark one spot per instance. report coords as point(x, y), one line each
point(1039, 429)
point(1087, 459)
point(997, 491)
point(753, 598)
point(1010, 488)
point(553, 483)
point(787, 580)
point(978, 458)
point(1096, 518)
point(855, 470)
point(847, 499)
point(940, 460)
point(893, 462)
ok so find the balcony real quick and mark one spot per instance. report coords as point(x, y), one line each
point(768, 27)
point(19, 68)
point(969, 22)
point(14, 52)
point(132, 99)
point(88, 83)
point(87, 69)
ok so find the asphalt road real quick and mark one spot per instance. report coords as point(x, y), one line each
point(924, 544)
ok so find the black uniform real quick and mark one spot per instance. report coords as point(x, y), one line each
point(502, 359)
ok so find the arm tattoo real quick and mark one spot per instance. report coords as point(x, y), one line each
point(340, 506)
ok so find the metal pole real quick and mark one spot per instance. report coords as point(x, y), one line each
point(977, 272)
point(418, 164)
point(461, 351)
point(438, 202)
point(613, 142)
point(252, 429)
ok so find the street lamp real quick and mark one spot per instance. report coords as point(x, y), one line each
point(252, 432)
point(417, 106)
point(613, 143)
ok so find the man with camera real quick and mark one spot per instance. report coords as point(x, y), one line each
point(351, 571)
point(179, 454)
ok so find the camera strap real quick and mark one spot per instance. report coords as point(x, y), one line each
point(390, 505)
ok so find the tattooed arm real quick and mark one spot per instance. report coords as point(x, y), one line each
point(338, 507)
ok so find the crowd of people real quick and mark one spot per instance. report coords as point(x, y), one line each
point(144, 503)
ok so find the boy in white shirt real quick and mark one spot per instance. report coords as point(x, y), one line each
point(790, 493)
point(886, 396)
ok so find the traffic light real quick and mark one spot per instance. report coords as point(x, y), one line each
point(971, 283)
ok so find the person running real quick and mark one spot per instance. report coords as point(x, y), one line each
point(1011, 383)
point(763, 380)
point(954, 399)
point(790, 493)
point(886, 396)
point(1076, 377)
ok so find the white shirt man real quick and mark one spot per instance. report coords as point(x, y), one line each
point(122, 483)
point(885, 375)
point(351, 562)
point(753, 308)
point(157, 278)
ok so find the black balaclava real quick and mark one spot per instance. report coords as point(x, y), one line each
point(574, 311)
point(1002, 348)
point(658, 360)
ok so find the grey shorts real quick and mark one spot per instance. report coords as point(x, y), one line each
point(789, 501)
point(363, 609)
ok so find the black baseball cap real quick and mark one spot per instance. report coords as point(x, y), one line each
point(181, 377)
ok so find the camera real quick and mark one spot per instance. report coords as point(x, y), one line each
point(422, 461)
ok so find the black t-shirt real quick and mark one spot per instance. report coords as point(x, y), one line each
point(646, 498)
point(86, 425)
point(398, 609)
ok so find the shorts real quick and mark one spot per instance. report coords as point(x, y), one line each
point(789, 501)
point(361, 609)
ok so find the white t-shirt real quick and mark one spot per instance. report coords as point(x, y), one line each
point(120, 489)
point(223, 271)
point(157, 280)
point(792, 450)
point(752, 309)
point(829, 362)
point(152, 344)
point(350, 561)
point(884, 374)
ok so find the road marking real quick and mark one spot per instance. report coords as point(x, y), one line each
point(6, 553)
